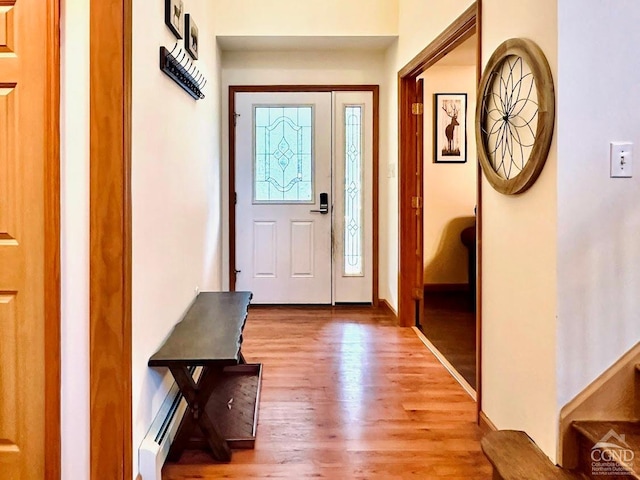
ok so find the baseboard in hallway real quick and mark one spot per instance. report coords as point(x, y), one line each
point(485, 423)
point(385, 305)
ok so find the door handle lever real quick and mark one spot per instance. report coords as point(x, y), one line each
point(323, 211)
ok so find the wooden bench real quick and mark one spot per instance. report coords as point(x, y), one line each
point(223, 400)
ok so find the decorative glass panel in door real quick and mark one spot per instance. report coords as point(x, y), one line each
point(353, 204)
point(283, 154)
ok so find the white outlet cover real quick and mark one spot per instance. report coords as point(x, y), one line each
point(621, 151)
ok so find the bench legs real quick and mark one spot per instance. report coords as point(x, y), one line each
point(197, 395)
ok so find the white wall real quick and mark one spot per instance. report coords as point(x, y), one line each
point(175, 194)
point(308, 18)
point(388, 188)
point(598, 217)
point(420, 21)
point(296, 68)
point(519, 305)
point(449, 188)
point(74, 196)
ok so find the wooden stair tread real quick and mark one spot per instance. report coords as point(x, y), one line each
point(601, 431)
point(514, 456)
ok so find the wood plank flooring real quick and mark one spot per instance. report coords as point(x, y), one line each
point(348, 395)
point(450, 325)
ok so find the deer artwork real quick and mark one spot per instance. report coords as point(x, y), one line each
point(177, 13)
point(453, 115)
point(194, 39)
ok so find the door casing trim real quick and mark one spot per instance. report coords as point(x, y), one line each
point(52, 281)
point(233, 89)
point(111, 451)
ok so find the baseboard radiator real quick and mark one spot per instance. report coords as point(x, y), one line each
point(154, 448)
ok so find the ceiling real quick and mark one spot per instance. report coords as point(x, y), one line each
point(463, 55)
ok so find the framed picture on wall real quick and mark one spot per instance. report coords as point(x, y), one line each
point(191, 38)
point(450, 127)
point(173, 16)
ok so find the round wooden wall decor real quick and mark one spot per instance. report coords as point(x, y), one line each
point(515, 114)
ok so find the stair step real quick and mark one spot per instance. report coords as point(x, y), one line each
point(514, 456)
point(609, 450)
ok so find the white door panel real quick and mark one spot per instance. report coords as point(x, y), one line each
point(302, 249)
point(283, 249)
point(264, 245)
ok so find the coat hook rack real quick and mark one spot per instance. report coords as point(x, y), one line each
point(184, 73)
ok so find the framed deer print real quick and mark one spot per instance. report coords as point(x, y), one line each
point(450, 127)
point(174, 16)
point(191, 36)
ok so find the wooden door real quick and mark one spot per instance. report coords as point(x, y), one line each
point(28, 221)
point(410, 285)
point(418, 112)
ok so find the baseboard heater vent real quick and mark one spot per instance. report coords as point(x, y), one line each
point(155, 447)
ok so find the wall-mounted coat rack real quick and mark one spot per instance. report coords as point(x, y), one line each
point(183, 71)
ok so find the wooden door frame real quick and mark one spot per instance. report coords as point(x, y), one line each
point(233, 89)
point(411, 182)
point(52, 281)
point(111, 451)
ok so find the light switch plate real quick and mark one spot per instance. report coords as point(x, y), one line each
point(621, 159)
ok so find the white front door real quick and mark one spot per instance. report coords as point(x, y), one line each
point(304, 197)
point(282, 172)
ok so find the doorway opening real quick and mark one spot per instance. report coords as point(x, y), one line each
point(303, 206)
point(412, 109)
point(449, 223)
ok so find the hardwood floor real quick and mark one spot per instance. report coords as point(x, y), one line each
point(348, 395)
point(450, 325)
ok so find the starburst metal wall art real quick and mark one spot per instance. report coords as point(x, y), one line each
point(515, 116)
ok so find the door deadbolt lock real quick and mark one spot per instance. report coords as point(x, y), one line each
point(324, 204)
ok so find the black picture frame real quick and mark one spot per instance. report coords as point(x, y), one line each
point(191, 36)
point(173, 13)
point(449, 127)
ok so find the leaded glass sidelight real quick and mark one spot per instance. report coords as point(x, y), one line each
point(353, 195)
point(283, 154)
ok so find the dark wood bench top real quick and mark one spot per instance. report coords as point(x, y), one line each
point(209, 334)
point(514, 456)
